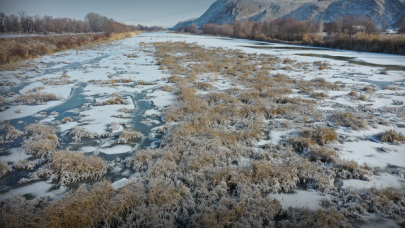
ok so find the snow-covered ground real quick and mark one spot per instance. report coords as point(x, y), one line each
point(91, 72)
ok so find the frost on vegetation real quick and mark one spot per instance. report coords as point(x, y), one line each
point(78, 133)
point(167, 88)
point(347, 119)
point(67, 120)
point(304, 217)
point(12, 132)
point(391, 136)
point(115, 126)
point(42, 172)
point(72, 166)
point(2, 100)
point(125, 110)
point(4, 168)
point(30, 165)
point(43, 140)
point(128, 135)
point(208, 170)
point(388, 203)
point(62, 80)
point(355, 95)
point(114, 99)
point(35, 98)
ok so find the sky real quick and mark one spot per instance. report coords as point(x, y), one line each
point(164, 13)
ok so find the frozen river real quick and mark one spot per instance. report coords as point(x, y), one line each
point(83, 78)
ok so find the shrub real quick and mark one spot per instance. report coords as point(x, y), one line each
point(391, 136)
point(35, 98)
point(4, 168)
point(67, 120)
point(78, 133)
point(72, 166)
point(128, 135)
point(43, 141)
point(348, 119)
point(319, 95)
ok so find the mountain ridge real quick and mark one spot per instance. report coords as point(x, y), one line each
point(227, 11)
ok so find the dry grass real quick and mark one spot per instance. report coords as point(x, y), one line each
point(319, 95)
point(35, 98)
point(4, 168)
point(72, 166)
point(348, 119)
point(208, 170)
point(128, 135)
point(78, 133)
point(67, 120)
point(15, 49)
point(43, 141)
point(300, 218)
point(392, 136)
point(114, 99)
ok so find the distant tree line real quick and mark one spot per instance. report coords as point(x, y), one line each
point(93, 22)
point(349, 32)
point(290, 29)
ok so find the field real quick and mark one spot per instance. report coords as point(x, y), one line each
point(169, 130)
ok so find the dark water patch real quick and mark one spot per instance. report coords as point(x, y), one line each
point(354, 60)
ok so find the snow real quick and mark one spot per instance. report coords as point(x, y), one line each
point(15, 154)
point(98, 118)
point(38, 189)
point(119, 149)
point(299, 198)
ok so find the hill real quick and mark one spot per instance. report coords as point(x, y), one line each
point(227, 11)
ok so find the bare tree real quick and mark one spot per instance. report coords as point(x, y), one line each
point(37, 23)
point(60, 24)
point(13, 23)
point(25, 21)
point(2, 22)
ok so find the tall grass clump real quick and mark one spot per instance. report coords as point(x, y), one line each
point(72, 166)
point(347, 119)
point(35, 98)
point(392, 136)
point(43, 140)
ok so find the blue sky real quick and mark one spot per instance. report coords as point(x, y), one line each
point(147, 12)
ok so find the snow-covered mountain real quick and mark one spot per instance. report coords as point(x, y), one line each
point(227, 11)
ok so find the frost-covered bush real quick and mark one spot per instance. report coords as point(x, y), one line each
point(43, 140)
point(67, 120)
point(305, 217)
point(115, 126)
point(30, 165)
point(128, 135)
point(388, 203)
point(4, 168)
point(35, 98)
point(125, 110)
point(71, 166)
point(78, 133)
point(62, 80)
point(13, 133)
point(2, 100)
point(391, 136)
point(115, 99)
point(348, 119)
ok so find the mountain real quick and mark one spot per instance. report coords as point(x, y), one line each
point(227, 11)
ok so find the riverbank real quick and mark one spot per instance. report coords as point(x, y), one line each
point(13, 50)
